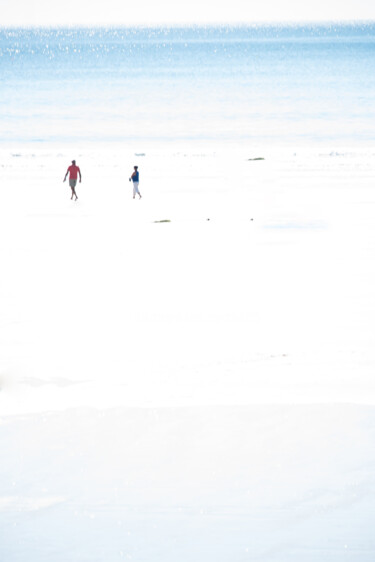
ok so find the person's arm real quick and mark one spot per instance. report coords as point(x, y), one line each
point(66, 174)
point(80, 177)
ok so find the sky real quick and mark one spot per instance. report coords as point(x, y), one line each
point(151, 12)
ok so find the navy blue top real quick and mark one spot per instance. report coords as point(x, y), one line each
point(135, 176)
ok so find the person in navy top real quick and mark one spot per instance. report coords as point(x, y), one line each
point(135, 179)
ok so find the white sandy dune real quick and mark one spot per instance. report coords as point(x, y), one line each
point(197, 389)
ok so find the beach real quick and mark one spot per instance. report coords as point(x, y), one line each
point(189, 375)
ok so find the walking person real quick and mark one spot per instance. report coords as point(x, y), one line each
point(135, 179)
point(73, 172)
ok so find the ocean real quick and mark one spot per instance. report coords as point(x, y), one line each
point(265, 85)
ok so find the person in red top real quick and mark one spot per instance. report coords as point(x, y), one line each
point(73, 172)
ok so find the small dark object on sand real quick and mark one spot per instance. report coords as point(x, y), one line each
point(253, 159)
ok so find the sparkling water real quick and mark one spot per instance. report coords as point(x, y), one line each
point(287, 85)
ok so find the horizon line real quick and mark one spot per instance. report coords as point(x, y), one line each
point(279, 23)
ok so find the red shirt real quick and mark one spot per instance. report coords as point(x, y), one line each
point(73, 172)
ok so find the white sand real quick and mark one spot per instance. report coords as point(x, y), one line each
point(191, 390)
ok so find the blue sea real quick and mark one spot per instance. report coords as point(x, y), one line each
point(274, 85)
